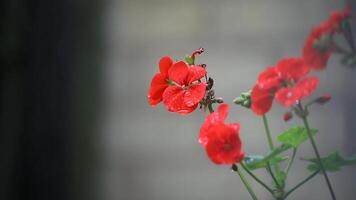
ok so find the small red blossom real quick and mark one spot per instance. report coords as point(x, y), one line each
point(221, 141)
point(185, 90)
point(159, 81)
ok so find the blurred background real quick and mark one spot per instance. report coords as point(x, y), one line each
point(74, 118)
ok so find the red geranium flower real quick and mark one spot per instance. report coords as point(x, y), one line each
point(317, 57)
point(159, 81)
point(221, 141)
point(318, 45)
point(185, 91)
point(336, 18)
point(284, 81)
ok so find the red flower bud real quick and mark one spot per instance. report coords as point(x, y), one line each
point(323, 99)
point(287, 116)
point(197, 52)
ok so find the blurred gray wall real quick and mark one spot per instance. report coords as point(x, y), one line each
point(148, 153)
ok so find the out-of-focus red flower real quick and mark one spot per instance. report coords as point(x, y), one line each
point(185, 90)
point(317, 57)
point(336, 17)
point(159, 81)
point(318, 45)
point(285, 82)
point(221, 141)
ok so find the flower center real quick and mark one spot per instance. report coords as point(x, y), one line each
point(227, 146)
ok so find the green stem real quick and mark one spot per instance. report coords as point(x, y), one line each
point(273, 176)
point(301, 183)
point(256, 178)
point(247, 185)
point(268, 132)
point(316, 151)
point(291, 161)
point(210, 107)
point(269, 139)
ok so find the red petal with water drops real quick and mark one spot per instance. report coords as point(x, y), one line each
point(165, 64)
point(173, 98)
point(179, 72)
point(158, 85)
point(194, 94)
point(195, 73)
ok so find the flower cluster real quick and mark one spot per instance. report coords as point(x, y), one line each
point(183, 86)
point(319, 44)
point(286, 82)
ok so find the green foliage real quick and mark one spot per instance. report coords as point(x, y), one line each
point(331, 163)
point(257, 161)
point(295, 136)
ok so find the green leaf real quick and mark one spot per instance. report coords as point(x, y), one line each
point(189, 60)
point(331, 163)
point(295, 136)
point(257, 161)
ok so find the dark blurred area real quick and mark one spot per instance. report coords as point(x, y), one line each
point(49, 58)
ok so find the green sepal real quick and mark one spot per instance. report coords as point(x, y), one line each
point(295, 136)
point(332, 163)
point(189, 60)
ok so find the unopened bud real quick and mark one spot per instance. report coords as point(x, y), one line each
point(287, 116)
point(238, 100)
point(197, 52)
point(219, 100)
point(323, 99)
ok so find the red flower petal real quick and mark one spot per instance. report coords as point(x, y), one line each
point(315, 58)
point(307, 86)
point(195, 73)
point(261, 100)
point(164, 64)
point(224, 145)
point(288, 96)
point(292, 68)
point(173, 98)
point(179, 72)
point(269, 78)
point(194, 94)
point(212, 119)
point(158, 85)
